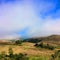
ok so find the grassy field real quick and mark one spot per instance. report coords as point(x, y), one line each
point(33, 52)
point(26, 47)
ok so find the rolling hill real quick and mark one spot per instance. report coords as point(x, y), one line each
point(53, 39)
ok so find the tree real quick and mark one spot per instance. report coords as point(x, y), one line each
point(18, 42)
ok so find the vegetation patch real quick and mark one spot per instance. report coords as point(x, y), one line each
point(12, 56)
point(56, 55)
point(46, 46)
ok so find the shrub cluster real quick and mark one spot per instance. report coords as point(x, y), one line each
point(47, 46)
point(18, 42)
point(11, 56)
point(33, 40)
point(56, 55)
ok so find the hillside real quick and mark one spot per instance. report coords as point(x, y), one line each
point(52, 39)
point(28, 47)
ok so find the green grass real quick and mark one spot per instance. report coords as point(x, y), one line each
point(39, 57)
point(58, 47)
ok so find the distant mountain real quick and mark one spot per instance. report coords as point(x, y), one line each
point(53, 39)
point(47, 38)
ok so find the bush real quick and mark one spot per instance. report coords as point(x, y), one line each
point(33, 40)
point(56, 55)
point(47, 46)
point(11, 56)
point(41, 45)
point(3, 56)
point(18, 42)
point(10, 53)
point(36, 44)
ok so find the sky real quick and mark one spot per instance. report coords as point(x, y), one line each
point(29, 18)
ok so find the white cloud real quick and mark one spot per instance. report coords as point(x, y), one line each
point(9, 37)
point(15, 17)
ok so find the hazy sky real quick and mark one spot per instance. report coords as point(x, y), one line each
point(29, 18)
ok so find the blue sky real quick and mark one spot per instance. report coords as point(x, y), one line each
point(29, 18)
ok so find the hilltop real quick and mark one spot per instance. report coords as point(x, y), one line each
point(53, 39)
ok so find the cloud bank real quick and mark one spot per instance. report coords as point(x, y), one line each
point(29, 18)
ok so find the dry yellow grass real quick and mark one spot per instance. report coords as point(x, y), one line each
point(26, 48)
